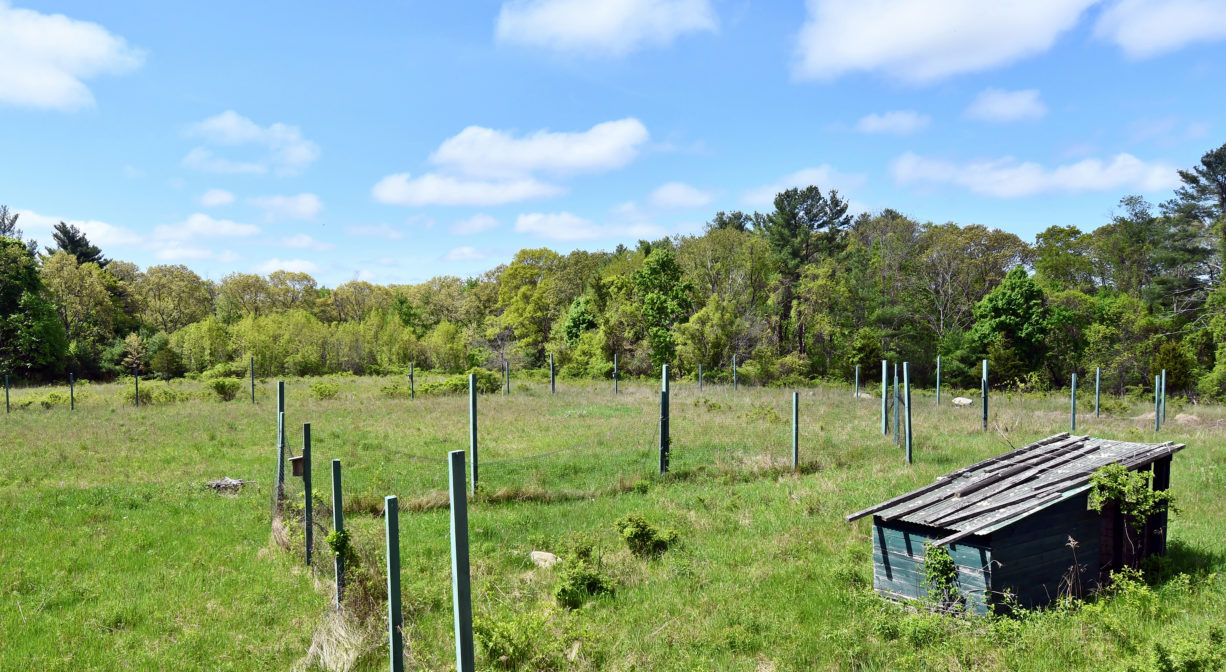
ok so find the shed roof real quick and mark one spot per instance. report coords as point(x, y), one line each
point(999, 491)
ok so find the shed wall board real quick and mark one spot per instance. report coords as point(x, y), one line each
point(1032, 555)
point(898, 560)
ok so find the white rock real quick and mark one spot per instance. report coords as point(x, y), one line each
point(959, 402)
point(543, 558)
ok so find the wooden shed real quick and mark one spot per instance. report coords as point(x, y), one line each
point(1018, 523)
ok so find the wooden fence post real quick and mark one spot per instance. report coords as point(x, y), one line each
point(461, 589)
point(72, 393)
point(795, 431)
point(308, 512)
point(664, 438)
point(1073, 406)
point(338, 525)
point(885, 429)
point(984, 384)
point(906, 400)
point(1098, 376)
point(472, 425)
point(395, 619)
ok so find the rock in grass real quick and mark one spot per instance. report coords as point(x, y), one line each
point(543, 558)
point(960, 402)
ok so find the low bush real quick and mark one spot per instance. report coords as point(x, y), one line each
point(643, 539)
point(521, 642)
point(322, 390)
point(226, 389)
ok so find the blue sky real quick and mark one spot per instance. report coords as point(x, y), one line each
point(403, 140)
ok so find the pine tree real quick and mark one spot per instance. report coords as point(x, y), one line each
point(73, 241)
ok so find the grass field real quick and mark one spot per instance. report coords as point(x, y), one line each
point(115, 557)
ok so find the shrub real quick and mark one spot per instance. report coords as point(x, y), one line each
point(322, 390)
point(941, 577)
point(129, 396)
point(642, 537)
point(167, 364)
point(488, 382)
point(53, 399)
point(580, 574)
point(522, 642)
point(225, 388)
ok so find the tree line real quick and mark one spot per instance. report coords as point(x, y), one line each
point(800, 293)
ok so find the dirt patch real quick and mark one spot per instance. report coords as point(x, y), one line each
point(1186, 419)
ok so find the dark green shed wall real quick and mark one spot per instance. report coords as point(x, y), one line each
point(1032, 556)
point(898, 559)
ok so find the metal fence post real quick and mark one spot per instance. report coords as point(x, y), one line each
point(1157, 403)
point(136, 382)
point(1098, 377)
point(1073, 406)
point(984, 384)
point(280, 396)
point(856, 393)
point(280, 491)
point(338, 525)
point(253, 380)
point(664, 438)
point(938, 380)
point(552, 377)
point(700, 377)
point(461, 589)
point(6, 393)
point(906, 400)
point(506, 376)
point(472, 425)
point(615, 373)
point(72, 393)
point(885, 429)
point(1164, 395)
point(734, 381)
point(395, 619)
point(897, 439)
point(412, 383)
point(795, 431)
point(308, 512)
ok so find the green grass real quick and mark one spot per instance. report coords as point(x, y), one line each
point(115, 557)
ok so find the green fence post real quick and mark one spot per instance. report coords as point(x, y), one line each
point(664, 438)
point(615, 373)
point(938, 380)
point(856, 393)
point(472, 425)
point(1073, 406)
point(906, 400)
point(885, 428)
point(700, 377)
point(795, 431)
point(506, 376)
point(552, 377)
point(338, 525)
point(1098, 377)
point(72, 393)
point(461, 589)
point(308, 513)
point(280, 491)
point(280, 396)
point(897, 439)
point(136, 382)
point(253, 380)
point(984, 384)
point(6, 393)
point(412, 383)
point(395, 619)
point(734, 381)
point(1164, 395)
point(1157, 403)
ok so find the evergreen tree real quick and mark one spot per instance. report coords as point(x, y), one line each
point(73, 241)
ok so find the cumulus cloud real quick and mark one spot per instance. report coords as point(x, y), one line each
point(920, 42)
point(1000, 106)
point(215, 197)
point(46, 57)
point(464, 254)
point(303, 241)
point(302, 206)
point(279, 148)
point(557, 226)
point(491, 153)
point(99, 233)
point(1145, 28)
point(292, 265)
point(435, 189)
point(478, 223)
point(200, 225)
point(900, 122)
point(678, 195)
point(1009, 178)
point(606, 28)
point(823, 176)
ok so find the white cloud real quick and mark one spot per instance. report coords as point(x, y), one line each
point(491, 153)
point(678, 195)
point(45, 57)
point(823, 176)
point(200, 225)
point(607, 28)
point(293, 265)
point(303, 241)
point(302, 206)
point(1145, 28)
point(478, 223)
point(383, 231)
point(919, 42)
point(99, 233)
point(215, 197)
point(558, 226)
point(1000, 106)
point(1009, 178)
point(900, 122)
point(435, 189)
point(280, 147)
point(464, 254)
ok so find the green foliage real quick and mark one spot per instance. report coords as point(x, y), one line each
point(643, 539)
point(1131, 492)
point(1013, 319)
point(1178, 365)
point(340, 543)
point(941, 576)
point(226, 389)
point(580, 579)
point(129, 394)
point(167, 364)
point(521, 642)
point(580, 318)
point(324, 390)
point(664, 297)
